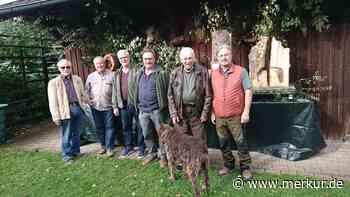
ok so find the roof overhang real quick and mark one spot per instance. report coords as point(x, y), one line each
point(28, 7)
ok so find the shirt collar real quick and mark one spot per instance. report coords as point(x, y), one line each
point(68, 77)
point(229, 71)
point(192, 69)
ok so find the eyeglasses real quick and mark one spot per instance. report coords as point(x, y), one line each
point(65, 67)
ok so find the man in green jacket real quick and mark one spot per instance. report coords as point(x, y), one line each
point(122, 103)
point(150, 98)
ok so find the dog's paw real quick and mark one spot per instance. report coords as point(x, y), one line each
point(171, 178)
point(205, 188)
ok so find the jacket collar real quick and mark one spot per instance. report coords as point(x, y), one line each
point(156, 68)
point(195, 68)
point(69, 77)
point(130, 68)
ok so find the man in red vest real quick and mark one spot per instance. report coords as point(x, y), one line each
point(232, 97)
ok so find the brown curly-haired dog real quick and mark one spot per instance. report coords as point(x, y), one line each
point(190, 151)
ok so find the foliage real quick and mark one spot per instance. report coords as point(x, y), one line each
point(19, 32)
point(279, 17)
point(264, 18)
point(44, 174)
point(167, 55)
point(237, 17)
point(17, 37)
point(24, 48)
point(98, 22)
point(90, 28)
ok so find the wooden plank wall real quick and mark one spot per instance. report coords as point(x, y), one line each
point(328, 53)
point(79, 68)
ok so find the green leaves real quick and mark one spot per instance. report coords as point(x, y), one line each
point(167, 55)
point(264, 18)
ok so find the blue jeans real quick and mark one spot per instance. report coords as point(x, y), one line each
point(70, 133)
point(104, 128)
point(149, 136)
point(127, 115)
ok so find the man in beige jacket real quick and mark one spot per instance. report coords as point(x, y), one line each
point(66, 96)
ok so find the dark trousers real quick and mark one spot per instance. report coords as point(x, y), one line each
point(104, 128)
point(70, 133)
point(128, 115)
point(191, 123)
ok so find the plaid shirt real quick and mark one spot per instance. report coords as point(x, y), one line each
point(99, 89)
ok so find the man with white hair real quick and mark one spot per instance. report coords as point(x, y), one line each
point(66, 96)
point(98, 86)
point(122, 103)
point(190, 95)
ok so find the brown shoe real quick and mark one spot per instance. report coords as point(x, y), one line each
point(150, 157)
point(101, 151)
point(163, 163)
point(224, 171)
point(109, 153)
point(247, 174)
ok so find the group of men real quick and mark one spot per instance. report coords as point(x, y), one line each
point(148, 96)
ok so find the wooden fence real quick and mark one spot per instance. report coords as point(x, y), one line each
point(24, 83)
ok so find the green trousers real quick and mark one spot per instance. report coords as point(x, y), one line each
point(231, 128)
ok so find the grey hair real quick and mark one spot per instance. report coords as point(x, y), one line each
point(186, 49)
point(123, 51)
point(98, 58)
point(64, 61)
point(224, 46)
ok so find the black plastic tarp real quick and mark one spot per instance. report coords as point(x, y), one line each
point(289, 130)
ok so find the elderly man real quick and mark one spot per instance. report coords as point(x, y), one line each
point(232, 92)
point(122, 103)
point(151, 100)
point(190, 95)
point(66, 95)
point(99, 89)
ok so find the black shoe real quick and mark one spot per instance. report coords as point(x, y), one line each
point(179, 167)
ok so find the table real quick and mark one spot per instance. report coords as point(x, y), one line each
point(272, 123)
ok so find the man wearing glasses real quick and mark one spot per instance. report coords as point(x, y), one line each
point(66, 96)
point(122, 103)
point(98, 87)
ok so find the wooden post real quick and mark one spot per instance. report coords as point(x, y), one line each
point(219, 38)
point(44, 65)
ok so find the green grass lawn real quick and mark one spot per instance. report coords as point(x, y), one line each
point(44, 174)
